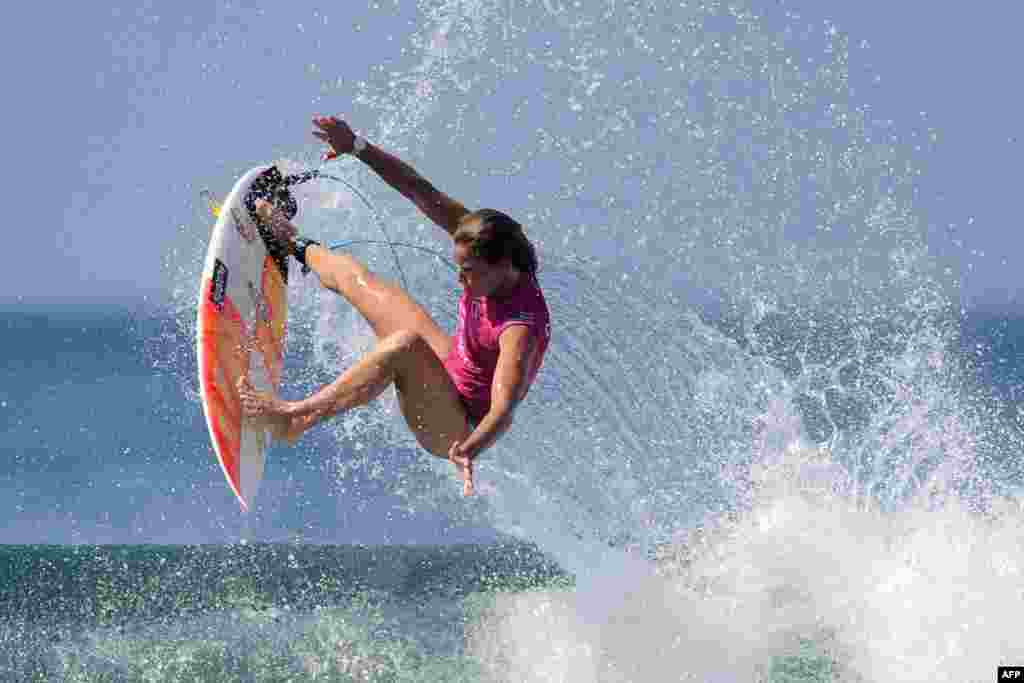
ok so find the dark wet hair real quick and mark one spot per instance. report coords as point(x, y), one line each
point(494, 236)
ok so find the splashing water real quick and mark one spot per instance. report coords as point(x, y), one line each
point(751, 442)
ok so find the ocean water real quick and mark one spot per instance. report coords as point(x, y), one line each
point(768, 442)
point(253, 612)
point(108, 580)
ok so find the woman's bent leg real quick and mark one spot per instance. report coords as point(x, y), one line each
point(428, 398)
point(410, 354)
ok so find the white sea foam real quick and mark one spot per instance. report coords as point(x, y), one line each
point(804, 574)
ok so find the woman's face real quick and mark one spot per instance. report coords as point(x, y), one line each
point(478, 277)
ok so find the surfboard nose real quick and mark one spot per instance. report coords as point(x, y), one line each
point(271, 185)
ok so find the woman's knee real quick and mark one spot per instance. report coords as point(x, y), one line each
point(405, 341)
point(409, 356)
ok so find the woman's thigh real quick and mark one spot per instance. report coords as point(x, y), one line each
point(386, 306)
point(430, 402)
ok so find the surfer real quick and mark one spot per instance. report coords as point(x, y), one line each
point(457, 393)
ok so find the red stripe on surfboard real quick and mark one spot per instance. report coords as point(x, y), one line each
point(275, 299)
point(222, 337)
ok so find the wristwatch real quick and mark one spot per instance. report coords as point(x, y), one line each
point(299, 246)
point(358, 145)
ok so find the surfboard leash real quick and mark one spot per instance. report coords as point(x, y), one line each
point(312, 174)
point(380, 223)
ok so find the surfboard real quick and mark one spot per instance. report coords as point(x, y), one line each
point(242, 321)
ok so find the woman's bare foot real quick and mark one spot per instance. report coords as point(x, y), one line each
point(267, 410)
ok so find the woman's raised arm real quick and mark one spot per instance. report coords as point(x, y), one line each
point(436, 205)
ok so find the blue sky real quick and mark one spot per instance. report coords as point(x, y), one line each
point(119, 114)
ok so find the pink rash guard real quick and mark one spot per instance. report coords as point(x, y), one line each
point(474, 354)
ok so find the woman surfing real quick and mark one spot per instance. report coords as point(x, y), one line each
point(457, 393)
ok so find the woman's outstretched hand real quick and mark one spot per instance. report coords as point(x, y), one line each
point(336, 134)
point(464, 462)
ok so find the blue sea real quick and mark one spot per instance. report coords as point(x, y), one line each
point(771, 440)
point(127, 558)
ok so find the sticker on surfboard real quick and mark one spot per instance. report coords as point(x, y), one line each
point(242, 316)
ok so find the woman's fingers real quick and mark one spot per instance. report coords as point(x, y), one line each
point(464, 465)
point(324, 124)
point(334, 132)
point(324, 137)
point(467, 479)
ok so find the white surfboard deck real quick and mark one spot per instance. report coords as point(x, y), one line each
point(242, 314)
